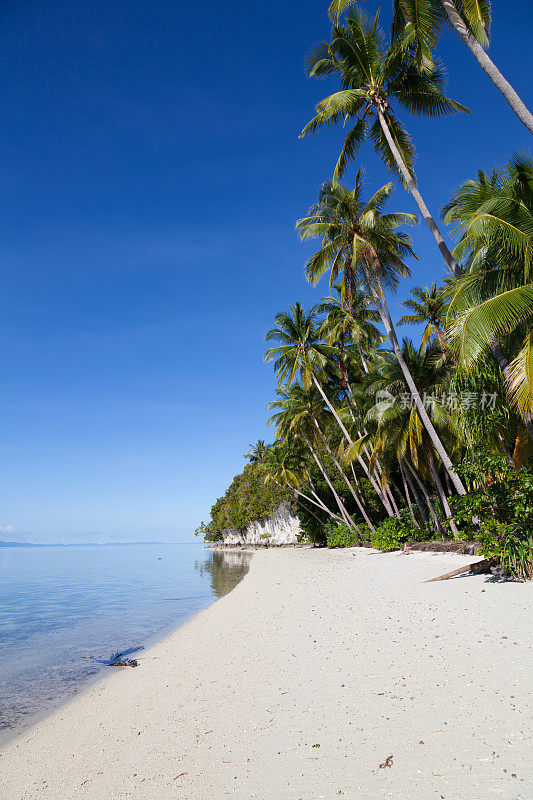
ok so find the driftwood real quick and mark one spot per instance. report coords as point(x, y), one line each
point(454, 546)
point(477, 568)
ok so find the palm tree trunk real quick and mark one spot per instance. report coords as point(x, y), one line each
point(487, 65)
point(383, 311)
point(390, 495)
point(319, 502)
point(345, 479)
point(418, 501)
point(423, 489)
point(361, 356)
point(390, 510)
point(349, 521)
point(495, 347)
point(442, 493)
point(307, 510)
point(320, 505)
point(409, 180)
point(349, 439)
point(407, 495)
point(442, 341)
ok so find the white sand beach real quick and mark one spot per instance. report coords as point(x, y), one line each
point(318, 668)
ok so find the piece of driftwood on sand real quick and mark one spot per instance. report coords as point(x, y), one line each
point(477, 568)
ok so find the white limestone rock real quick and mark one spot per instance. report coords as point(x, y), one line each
point(279, 529)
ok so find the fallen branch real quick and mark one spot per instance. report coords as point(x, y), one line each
point(477, 568)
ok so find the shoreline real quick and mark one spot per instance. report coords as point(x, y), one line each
point(352, 652)
point(103, 671)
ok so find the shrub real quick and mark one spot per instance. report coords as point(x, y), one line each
point(498, 511)
point(391, 534)
point(341, 535)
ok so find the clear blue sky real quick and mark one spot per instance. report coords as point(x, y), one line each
point(150, 178)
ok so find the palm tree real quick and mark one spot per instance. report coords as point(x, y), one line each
point(418, 23)
point(257, 452)
point(494, 216)
point(348, 319)
point(299, 406)
point(297, 411)
point(400, 430)
point(300, 351)
point(474, 31)
point(284, 465)
point(371, 77)
point(365, 246)
point(428, 307)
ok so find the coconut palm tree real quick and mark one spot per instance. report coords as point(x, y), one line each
point(372, 76)
point(284, 465)
point(418, 23)
point(494, 217)
point(297, 410)
point(474, 31)
point(365, 246)
point(400, 429)
point(300, 409)
point(257, 452)
point(428, 307)
point(349, 319)
point(301, 351)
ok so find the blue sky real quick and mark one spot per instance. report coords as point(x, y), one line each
point(151, 175)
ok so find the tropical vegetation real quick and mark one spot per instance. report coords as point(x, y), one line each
point(380, 439)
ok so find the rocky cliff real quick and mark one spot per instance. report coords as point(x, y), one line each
point(279, 529)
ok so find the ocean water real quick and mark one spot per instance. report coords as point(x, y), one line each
point(65, 611)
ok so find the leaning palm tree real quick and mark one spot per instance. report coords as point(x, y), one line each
point(366, 247)
point(297, 410)
point(428, 307)
point(301, 410)
point(284, 465)
point(372, 76)
point(400, 428)
point(301, 351)
point(418, 23)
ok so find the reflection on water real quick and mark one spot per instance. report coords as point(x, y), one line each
point(226, 569)
point(65, 610)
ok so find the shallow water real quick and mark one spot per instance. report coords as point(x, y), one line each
point(60, 605)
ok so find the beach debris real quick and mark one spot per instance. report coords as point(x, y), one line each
point(477, 568)
point(118, 660)
point(315, 745)
point(386, 763)
point(179, 776)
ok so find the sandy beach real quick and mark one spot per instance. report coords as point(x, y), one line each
point(323, 674)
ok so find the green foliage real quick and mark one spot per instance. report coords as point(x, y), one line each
point(311, 528)
point(390, 535)
point(341, 536)
point(498, 511)
point(247, 499)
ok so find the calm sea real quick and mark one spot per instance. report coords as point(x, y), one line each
point(60, 605)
